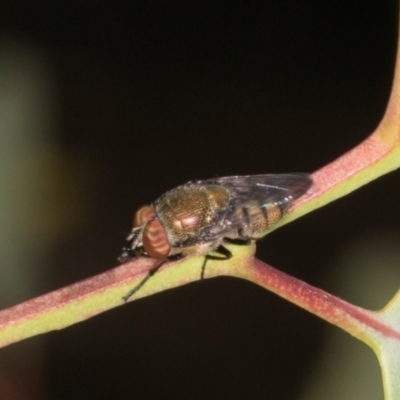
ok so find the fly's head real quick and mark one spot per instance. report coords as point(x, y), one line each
point(148, 237)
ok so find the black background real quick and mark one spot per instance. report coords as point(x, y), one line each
point(158, 93)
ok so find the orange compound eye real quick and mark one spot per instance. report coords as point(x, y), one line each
point(155, 240)
point(143, 215)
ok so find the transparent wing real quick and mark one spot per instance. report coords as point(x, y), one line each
point(254, 191)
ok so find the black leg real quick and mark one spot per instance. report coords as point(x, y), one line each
point(143, 281)
point(149, 275)
point(224, 254)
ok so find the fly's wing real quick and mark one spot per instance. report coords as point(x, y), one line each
point(254, 191)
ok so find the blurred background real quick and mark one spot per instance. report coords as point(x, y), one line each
point(103, 107)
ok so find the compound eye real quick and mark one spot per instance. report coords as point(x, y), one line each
point(155, 240)
point(143, 215)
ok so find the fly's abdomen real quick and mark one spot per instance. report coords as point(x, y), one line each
point(257, 218)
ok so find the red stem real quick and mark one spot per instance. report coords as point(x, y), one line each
point(332, 309)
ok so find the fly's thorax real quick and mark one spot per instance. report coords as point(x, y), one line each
point(218, 196)
point(258, 217)
point(186, 211)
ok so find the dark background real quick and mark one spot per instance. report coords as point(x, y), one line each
point(153, 94)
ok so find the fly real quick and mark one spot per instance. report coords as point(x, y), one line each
point(199, 217)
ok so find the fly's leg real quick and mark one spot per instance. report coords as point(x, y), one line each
point(149, 275)
point(224, 254)
point(143, 281)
